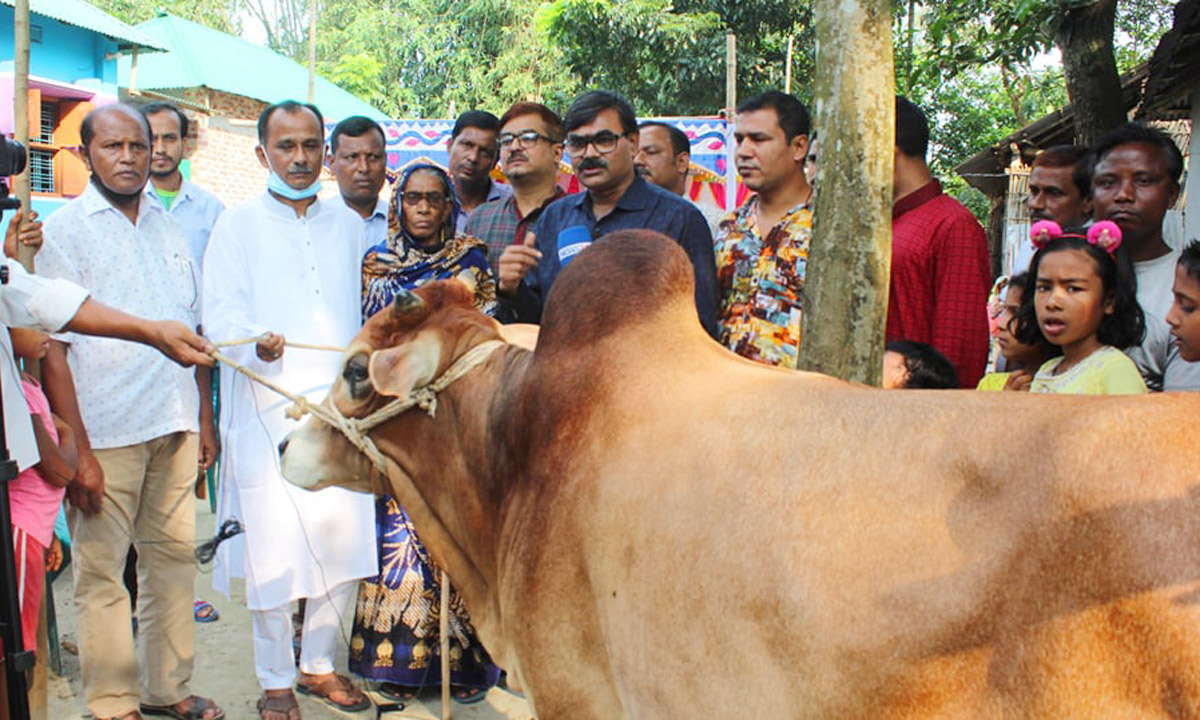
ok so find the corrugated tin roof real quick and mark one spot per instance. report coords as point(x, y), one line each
point(200, 56)
point(89, 17)
point(1173, 67)
point(985, 170)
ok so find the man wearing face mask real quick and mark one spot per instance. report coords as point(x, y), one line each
point(287, 265)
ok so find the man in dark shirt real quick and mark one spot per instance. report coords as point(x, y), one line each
point(530, 141)
point(602, 138)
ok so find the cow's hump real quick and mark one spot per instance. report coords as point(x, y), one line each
point(630, 277)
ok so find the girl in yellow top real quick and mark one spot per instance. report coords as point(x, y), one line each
point(1021, 360)
point(1084, 301)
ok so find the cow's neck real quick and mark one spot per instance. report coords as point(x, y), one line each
point(447, 482)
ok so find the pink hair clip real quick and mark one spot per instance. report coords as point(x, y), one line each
point(1105, 235)
point(1043, 231)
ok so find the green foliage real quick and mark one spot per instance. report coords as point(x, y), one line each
point(669, 58)
point(431, 56)
point(219, 14)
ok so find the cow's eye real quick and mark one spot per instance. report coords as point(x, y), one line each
point(356, 370)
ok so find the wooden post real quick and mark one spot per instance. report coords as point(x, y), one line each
point(730, 75)
point(21, 112)
point(787, 72)
point(444, 638)
point(312, 50)
point(846, 287)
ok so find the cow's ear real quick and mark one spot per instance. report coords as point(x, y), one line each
point(396, 371)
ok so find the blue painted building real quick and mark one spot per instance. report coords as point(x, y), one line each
point(73, 55)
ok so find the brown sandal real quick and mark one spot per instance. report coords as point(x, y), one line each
point(326, 688)
point(281, 705)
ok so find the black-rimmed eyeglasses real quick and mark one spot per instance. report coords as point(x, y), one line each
point(604, 141)
point(525, 139)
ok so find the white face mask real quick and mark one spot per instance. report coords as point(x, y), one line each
point(276, 184)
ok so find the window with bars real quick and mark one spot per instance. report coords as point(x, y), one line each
point(41, 170)
point(49, 116)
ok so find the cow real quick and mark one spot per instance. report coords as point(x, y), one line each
point(644, 525)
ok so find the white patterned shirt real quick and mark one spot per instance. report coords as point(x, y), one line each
point(128, 393)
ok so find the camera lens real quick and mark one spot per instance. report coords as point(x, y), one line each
point(12, 157)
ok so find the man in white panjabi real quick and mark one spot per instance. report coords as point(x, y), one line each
point(286, 265)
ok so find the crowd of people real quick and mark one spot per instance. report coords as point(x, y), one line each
point(1105, 306)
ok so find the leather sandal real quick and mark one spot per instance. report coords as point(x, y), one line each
point(326, 688)
point(283, 705)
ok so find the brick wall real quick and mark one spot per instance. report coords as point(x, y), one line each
point(223, 159)
point(223, 132)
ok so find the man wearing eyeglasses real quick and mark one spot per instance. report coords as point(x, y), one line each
point(602, 139)
point(530, 153)
point(473, 154)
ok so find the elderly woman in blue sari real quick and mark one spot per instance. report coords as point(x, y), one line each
point(395, 637)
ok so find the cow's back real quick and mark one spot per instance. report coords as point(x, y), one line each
point(717, 539)
point(825, 550)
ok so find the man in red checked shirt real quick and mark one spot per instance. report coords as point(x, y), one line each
point(940, 272)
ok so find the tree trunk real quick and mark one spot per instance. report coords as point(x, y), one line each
point(1085, 37)
point(846, 286)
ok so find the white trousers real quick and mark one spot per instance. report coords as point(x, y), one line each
point(274, 660)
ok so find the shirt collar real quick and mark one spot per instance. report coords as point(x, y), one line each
point(916, 198)
point(184, 192)
point(635, 197)
point(510, 203)
point(381, 209)
point(276, 207)
point(95, 202)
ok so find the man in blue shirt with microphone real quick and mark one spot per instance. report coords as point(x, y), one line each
point(602, 139)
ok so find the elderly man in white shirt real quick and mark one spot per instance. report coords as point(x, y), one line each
point(136, 421)
point(287, 265)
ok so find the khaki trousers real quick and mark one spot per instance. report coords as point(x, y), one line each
point(148, 501)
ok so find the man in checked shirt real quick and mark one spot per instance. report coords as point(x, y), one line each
point(940, 272)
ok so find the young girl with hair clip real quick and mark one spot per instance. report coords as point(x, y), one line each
point(1084, 300)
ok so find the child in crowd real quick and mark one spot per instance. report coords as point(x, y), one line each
point(1021, 360)
point(1182, 318)
point(911, 365)
point(1084, 300)
point(37, 494)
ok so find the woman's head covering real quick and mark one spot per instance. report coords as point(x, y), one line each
point(398, 238)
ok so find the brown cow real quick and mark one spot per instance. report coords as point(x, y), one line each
point(646, 526)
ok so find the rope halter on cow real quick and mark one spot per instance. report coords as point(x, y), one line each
point(357, 430)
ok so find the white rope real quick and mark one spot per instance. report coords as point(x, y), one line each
point(357, 430)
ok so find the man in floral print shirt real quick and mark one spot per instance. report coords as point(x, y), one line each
point(760, 273)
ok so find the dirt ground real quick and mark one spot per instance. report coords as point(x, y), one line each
point(224, 667)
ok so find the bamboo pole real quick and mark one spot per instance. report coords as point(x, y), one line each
point(21, 113)
point(787, 73)
point(312, 50)
point(444, 638)
point(730, 75)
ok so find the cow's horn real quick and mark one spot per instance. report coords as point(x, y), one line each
point(406, 301)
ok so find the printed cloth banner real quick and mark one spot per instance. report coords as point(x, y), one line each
point(713, 180)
